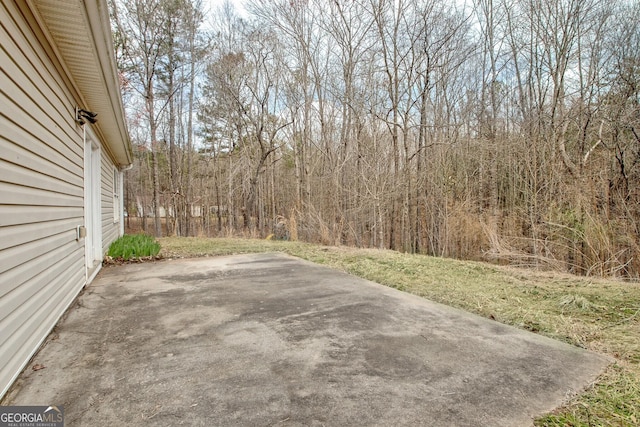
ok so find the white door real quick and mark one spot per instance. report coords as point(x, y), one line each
point(92, 205)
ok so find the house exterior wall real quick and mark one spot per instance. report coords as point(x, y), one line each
point(42, 263)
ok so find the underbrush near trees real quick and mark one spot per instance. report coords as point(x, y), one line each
point(596, 314)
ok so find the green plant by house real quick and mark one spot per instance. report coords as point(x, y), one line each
point(134, 246)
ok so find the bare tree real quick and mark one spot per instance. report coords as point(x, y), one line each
point(499, 129)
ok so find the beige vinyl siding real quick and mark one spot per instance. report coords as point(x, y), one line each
point(41, 195)
point(42, 265)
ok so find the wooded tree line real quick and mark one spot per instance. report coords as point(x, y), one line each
point(499, 129)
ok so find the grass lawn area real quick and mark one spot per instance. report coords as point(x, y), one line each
point(600, 315)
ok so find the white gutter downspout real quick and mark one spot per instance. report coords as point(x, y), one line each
point(121, 189)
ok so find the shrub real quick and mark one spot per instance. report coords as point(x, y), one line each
point(134, 246)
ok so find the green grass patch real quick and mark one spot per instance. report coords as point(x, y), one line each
point(134, 246)
point(597, 314)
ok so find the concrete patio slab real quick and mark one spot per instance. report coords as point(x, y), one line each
point(269, 339)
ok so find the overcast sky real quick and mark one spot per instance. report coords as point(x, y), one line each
point(215, 4)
